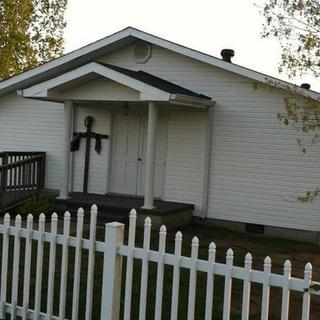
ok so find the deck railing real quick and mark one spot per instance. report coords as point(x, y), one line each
point(21, 176)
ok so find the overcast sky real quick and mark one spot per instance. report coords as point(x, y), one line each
point(205, 25)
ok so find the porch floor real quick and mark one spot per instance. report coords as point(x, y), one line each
point(117, 207)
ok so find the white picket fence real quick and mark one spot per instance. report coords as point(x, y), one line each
point(113, 249)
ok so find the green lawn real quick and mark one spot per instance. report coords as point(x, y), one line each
point(279, 250)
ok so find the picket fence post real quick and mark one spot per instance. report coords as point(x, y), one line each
point(112, 271)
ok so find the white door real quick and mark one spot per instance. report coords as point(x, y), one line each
point(129, 137)
point(124, 156)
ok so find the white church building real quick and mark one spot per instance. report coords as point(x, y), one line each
point(172, 124)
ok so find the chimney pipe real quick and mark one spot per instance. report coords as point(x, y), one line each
point(305, 86)
point(227, 54)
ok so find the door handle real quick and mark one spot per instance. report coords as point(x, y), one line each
point(139, 159)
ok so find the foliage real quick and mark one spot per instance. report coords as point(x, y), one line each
point(31, 33)
point(36, 206)
point(296, 24)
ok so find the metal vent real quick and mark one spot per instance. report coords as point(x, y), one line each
point(254, 228)
point(141, 52)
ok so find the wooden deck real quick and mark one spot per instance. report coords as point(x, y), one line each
point(117, 208)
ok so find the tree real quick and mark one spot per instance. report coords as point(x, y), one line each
point(296, 24)
point(31, 33)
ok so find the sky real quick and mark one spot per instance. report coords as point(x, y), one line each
point(205, 25)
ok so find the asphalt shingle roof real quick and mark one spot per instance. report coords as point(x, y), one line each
point(155, 81)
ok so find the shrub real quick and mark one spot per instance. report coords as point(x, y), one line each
point(35, 206)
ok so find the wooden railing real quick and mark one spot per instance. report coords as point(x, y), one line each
point(21, 177)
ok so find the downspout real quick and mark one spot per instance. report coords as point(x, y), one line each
point(207, 163)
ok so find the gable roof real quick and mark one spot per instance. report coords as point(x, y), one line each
point(125, 37)
point(150, 88)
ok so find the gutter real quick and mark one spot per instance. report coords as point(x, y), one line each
point(191, 101)
point(207, 163)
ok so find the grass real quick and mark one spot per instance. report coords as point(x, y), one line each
point(279, 250)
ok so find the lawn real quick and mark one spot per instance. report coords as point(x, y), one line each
point(279, 250)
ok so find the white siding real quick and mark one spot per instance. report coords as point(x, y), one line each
point(100, 90)
point(31, 125)
point(257, 169)
point(98, 162)
point(185, 157)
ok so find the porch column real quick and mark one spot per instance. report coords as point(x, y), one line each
point(150, 156)
point(65, 174)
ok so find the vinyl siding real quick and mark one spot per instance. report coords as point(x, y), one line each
point(257, 169)
point(185, 157)
point(31, 125)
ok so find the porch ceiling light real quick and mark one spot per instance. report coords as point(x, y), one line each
point(125, 109)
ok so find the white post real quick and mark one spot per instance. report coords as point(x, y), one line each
point(150, 156)
point(65, 174)
point(112, 270)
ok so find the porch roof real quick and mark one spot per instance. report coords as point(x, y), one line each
point(149, 87)
point(156, 82)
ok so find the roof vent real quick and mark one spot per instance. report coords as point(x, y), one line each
point(227, 54)
point(306, 86)
point(141, 51)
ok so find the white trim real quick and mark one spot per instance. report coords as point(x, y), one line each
point(135, 33)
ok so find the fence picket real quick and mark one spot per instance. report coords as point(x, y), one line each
point(129, 269)
point(286, 290)
point(246, 287)
point(307, 295)
point(145, 269)
point(64, 265)
point(77, 265)
point(266, 289)
point(160, 272)
point(27, 267)
point(39, 267)
point(228, 285)
point(210, 280)
point(176, 276)
point(91, 260)
point(193, 278)
point(4, 265)
point(113, 250)
point(16, 263)
point(52, 264)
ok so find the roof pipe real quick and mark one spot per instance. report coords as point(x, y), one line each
point(306, 86)
point(227, 55)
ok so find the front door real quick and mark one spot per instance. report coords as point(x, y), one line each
point(129, 140)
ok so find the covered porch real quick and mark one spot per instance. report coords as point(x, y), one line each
point(113, 88)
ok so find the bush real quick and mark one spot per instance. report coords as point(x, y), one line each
point(35, 206)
